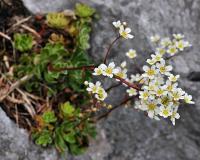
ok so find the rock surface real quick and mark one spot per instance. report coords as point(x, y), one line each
point(128, 134)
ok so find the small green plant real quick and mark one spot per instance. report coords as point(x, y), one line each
point(23, 42)
point(70, 132)
point(57, 20)
point(83, 10)
point(66, 125)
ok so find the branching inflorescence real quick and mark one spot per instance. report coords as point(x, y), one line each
point(156, 88)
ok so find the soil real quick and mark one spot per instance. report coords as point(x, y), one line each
point(10, 8)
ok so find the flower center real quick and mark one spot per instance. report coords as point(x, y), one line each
point(150, 72)
point(163, 69)
point(151, 106)
point(109, 70)
point(165, 112)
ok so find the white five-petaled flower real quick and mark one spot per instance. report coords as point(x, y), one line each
point(169, 86)
point(155, 58)
point(173, 78)
point(152, 108)
point(131, 53)
point(120, 72)
point(178, 94)
point(165, 111)
point(144, 95)
point(180, 45)
point(172, 50)
point(160, 91)
point(125, 32)
point(131, 92)
point(155, 38)
point(188, 99)
point(135, 78)
point(165, 42)
point(108, 70)
point(101, 94)
point(93, 87)
point(96, 89)
point(163, 69)
point(117, 24)
point(123, 64)
point(150, 72)
point(151, 61)
point(98, 71)
point(178, 36)
point(160, 51)
point(174, 116)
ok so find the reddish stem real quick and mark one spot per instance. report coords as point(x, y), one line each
point(113, 86)
point(51, 68)
point(109, 48)
point(91, 68)
point(126, 99)
point(131, 85)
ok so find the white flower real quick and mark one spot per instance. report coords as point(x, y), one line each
point(163, 69)
point(135, 78)
point(165, 101)
point(174, 116)
point(93, 87)
point(101, 94)
point(173, 78)
point(165, 42)
point(188, 99)
point(150, 72)
point(180, 45)
point(117, 24)
point(97, 90)
point(144, 95)
point(157, 57)
point(178, 94)
point(151, 86)
point(131, 92)
point(160, 51)
point(155, 38)
point(178, 36)
point(120, 72)
point(108, 70)
point(131, 53)
point(160, 91)
point(98, 71)
point(125, 32)
point(123, 64)
point(152, 108)
point(151, 61)
point(172, 50)
point(138, 105)
point(165, 111)
point(169, 86)
point(159, 80)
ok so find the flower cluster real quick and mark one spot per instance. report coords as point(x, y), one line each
point(160, 95)
point(96, 89)
point(123, 30)
point(158, 92)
